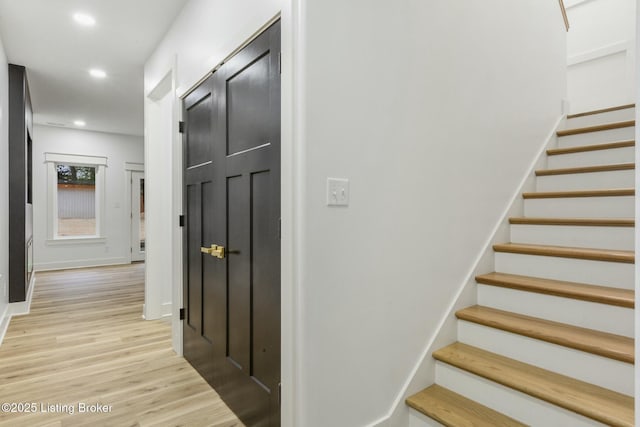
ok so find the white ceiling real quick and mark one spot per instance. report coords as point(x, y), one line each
point(42, 36)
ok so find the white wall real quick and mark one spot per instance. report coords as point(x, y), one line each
point(118, 149)
point(160, 218)
point(205, 32)
point(4, 184)
point(600, 53)
point(434, 111)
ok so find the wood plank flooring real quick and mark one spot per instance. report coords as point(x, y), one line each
point(85, 342)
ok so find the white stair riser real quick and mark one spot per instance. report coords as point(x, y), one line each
point(586, 181)
point(601, 371)
point(592, 158)
point(600, 137)
point(585, 314)
point(581, 207)
point(600, 119)
point(575, 236)
point(614, 274)
point(417, 419)
point(520, 406)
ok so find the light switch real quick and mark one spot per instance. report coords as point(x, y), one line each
point(337, 192)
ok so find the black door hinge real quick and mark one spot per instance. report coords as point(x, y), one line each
point(181, 220)
point(182, 314)
point(280, 394)
point(280, 62)
point(181, 127)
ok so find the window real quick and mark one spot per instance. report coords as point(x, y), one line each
point(76, 200)
point(76, 197)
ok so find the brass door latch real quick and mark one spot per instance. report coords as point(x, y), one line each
point(215, 251)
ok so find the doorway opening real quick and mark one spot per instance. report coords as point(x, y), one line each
point(138, 238)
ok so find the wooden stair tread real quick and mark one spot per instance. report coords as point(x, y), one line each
point(580, 193)
point(596, 128)
point(593, 222)
point(454, 410)
point(610, 255)
point(600, 404)
point(586, 169)
point(600, 343)
point(580, 291)
point(601, 110)
point(592, 147)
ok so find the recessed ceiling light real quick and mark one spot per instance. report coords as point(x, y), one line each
point(79, 123)
point(98, 74)
point(84, 19)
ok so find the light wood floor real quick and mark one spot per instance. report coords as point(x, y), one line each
point(85, 342)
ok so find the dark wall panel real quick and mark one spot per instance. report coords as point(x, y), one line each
point(20, 230)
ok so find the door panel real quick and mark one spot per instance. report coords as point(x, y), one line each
point(265, 295)
point(239, 274)
point(199, 270)
point(194, 239)
point(247, 98)
point(210, 268)
point(248, 88)
point(235, 300)
point(198, 144)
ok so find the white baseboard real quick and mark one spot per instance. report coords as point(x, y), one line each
point(4, 322)
point(423, 373)
point(166, 309)
point(600, 52)
point(16, 309)
point(82, 263)
point(23, 307)
point(155, 312)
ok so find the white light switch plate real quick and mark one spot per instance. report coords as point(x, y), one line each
point(337, 192)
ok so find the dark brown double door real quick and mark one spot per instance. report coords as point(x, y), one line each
point(232, 230)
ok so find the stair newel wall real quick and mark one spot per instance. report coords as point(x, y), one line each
point(424, 372)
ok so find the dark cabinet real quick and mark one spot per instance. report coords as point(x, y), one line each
point(20, 184)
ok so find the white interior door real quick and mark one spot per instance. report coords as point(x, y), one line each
point(137, 216)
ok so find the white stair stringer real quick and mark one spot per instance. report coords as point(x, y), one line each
point(602, 371)
point(578, 236)
point(600, 137)
point(512, 403)
point(604, 273)
point(581, 207)
point(585, 314)
point(587, 181)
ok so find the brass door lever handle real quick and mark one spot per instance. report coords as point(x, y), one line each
point(215, 251)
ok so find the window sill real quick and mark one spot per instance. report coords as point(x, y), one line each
point(64, 241)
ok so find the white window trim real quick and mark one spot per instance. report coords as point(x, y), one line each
point(100, 163)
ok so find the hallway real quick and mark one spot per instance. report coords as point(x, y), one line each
point(84, 342)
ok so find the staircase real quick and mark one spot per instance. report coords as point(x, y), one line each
point(550, 342)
